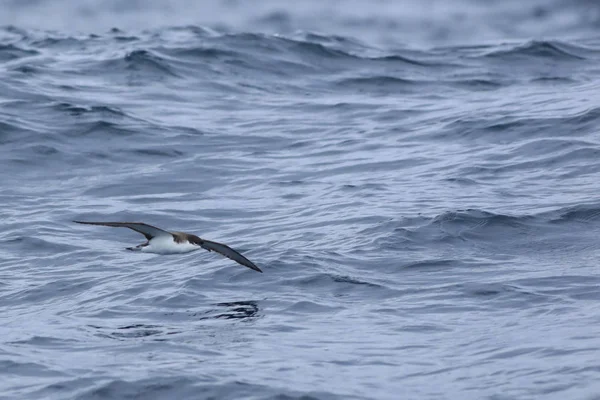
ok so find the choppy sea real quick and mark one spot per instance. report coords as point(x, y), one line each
point(419, 181)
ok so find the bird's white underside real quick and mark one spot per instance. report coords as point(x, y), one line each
point(167, 245)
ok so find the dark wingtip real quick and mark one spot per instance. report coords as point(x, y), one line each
point(255, 268)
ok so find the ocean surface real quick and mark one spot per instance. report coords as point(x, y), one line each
point(419, 182)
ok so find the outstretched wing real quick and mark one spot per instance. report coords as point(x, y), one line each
point(148, 231)
point(224, 250)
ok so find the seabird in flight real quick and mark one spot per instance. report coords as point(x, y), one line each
point(164, 242)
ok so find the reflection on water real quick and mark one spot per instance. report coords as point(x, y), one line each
point(238, 310)
point(233, 310)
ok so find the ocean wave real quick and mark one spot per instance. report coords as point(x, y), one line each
point(393, 191)
point(10, 52)
point(143, 61)
point(506, 129)
point(555, 50)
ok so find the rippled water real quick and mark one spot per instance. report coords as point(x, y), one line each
point(418, 182)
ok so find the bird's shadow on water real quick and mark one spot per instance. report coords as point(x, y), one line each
point(236, 310)
point(241, 310)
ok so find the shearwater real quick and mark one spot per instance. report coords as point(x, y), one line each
point(164, 242)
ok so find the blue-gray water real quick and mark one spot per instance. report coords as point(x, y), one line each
point(419, 182)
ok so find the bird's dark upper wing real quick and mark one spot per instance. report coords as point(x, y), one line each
point(224, 250)
point(148, 231)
